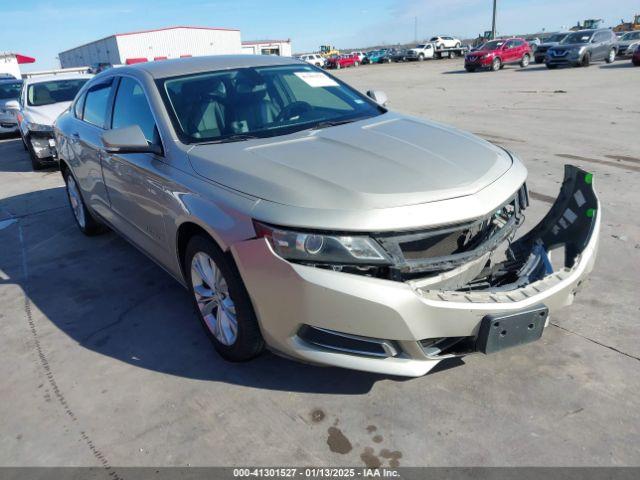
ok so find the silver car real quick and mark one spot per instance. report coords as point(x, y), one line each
point(305, 217)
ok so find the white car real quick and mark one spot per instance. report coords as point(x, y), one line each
point(360, 55)
point(314, 59)
point(9, 94)
point(446, 42)
point(42, 100)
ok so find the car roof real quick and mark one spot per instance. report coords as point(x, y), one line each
point(186, 66)
point(61, 76)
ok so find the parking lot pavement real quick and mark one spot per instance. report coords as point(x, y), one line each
point(104, 362)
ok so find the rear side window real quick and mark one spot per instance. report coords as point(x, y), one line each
point(132, 108)
point(95, 105)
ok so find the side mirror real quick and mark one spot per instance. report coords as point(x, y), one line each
point(378, 96)
point(128, 140)
point(12, 105)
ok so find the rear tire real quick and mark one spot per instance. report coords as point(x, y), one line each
point(228, 316)
point(612, 56)
point(83, 217)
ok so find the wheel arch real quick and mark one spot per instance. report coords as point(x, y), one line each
point(187, 230)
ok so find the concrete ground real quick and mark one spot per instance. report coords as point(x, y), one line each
point(104, 362)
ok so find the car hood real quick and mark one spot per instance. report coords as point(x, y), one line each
point(569, 46)
point(549, 44)
point(382, 162)
point(482, 52)
point(46, 114)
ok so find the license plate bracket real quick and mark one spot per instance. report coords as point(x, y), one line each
point(502, 331)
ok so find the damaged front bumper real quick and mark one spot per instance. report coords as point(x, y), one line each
point(405, 327)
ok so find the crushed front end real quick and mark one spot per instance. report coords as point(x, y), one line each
point(437, 293)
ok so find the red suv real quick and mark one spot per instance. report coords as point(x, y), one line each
point(343, 61)
point(498, 53)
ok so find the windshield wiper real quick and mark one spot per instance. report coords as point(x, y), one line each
point(238, 137)
point(331, 123)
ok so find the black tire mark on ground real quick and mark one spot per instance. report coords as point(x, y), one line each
point(48, 371)
point(542, 197)
point(623, 158)
point(633, 168)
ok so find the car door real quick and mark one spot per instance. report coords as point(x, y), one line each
point(84, 144)
point(600, 47)
point(137, 182)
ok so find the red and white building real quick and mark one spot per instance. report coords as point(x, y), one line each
point(150, 45)
point(10, 63)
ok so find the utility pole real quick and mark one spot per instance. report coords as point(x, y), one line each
point(493, 24)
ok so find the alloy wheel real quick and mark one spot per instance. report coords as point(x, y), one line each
point(76, 201)
point(212, 296)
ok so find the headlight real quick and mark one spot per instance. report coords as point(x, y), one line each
point(37, 127)
point(323, 248)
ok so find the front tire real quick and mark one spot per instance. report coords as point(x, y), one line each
point(586, 60)
point(526, 60)
point(470, 69)
point(221, 300)
point(83, 217)
point(496, 64)
point(421, 57)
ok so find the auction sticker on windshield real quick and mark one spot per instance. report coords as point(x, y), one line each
point(316, 79)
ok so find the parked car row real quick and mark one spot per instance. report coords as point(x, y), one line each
point(579, 48)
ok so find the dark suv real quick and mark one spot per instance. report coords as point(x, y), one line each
point(580, 48)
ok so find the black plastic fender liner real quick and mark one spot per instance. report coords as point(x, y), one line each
point(569, 223)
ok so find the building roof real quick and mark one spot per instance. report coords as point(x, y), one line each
point(186, 66)
point(19, 57)
point(115, 35)
point(260, 42)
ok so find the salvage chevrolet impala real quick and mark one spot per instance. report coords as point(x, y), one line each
point(306, 218)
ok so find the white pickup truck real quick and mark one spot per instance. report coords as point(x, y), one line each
point(428, 50)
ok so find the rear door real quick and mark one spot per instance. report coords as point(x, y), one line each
point(137, 182)
point(85, 143)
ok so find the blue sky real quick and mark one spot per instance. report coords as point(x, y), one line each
point(42, 28)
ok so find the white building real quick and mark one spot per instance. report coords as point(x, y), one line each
point(149, 45)
point(10, 63)
point(267, 47)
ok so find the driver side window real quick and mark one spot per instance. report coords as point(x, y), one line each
point(316, 97)
point(132, 108)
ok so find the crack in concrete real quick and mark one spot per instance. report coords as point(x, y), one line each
point(26, 215)
point(596, 342)
point(43, 362)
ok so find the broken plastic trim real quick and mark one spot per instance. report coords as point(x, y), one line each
point(569, 223)
point(488, 236)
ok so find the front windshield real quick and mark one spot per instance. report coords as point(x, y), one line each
point(578, 37)
point(434, 39)
point(493, 45)
point(556, 38)
point(54, 91)
point(631, 36)
point(259, 102)
point(420, 46)
point(10, 90)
